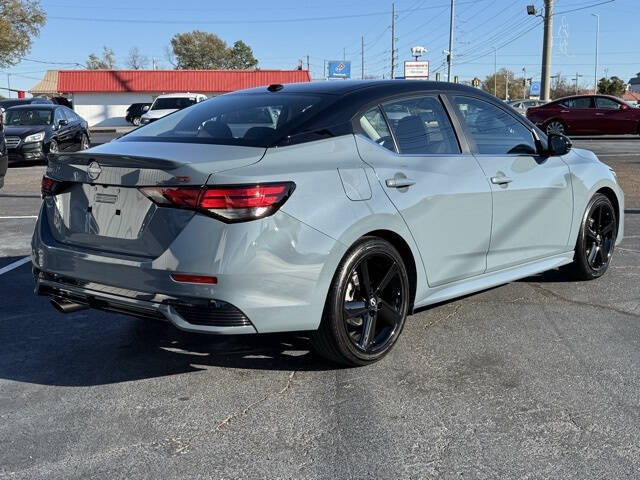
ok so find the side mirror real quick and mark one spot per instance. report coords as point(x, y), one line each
point(62, 122)
point(145, 108)
point(559, 145)
point(624, 107)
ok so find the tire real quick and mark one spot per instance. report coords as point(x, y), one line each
point(53, 147)
point(136, 121)
point(596, 239)
point(360, 325)
point(84, 142)
point(555, 126)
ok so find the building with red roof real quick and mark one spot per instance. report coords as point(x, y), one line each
point(103, 96)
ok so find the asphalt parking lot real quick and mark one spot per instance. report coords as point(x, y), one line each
point(536, 379)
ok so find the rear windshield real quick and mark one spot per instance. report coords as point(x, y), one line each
point(173, 103)
point(255, 120)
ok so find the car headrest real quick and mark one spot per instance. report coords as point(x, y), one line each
point(217, 129)
point(411, 135)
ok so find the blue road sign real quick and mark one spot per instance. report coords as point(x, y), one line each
point(535, 89)
point(339, 69)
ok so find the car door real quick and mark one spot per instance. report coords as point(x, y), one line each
point(433, 181)
point(62, 130)
point(532, 193)
point(578, 114)
point(75, 128)
point(614, 117)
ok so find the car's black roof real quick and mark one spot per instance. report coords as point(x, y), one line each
point(35, 106)
point(342, 87)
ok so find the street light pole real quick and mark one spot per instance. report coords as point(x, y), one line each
point(595, 72)
point(450, 54)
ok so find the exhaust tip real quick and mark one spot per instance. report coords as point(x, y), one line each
point(64, 306)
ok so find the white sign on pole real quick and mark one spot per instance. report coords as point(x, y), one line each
point(416, 70)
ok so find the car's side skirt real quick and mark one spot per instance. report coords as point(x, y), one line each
point(482, 282)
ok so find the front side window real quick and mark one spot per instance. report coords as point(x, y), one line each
point(582, 102)
point(375, 127)
point(59, 115)
point(607, 103)
point(494, 131)
point(256, 120)
point(421, 126)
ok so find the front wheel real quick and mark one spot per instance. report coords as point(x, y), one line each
point(366, 307)
point(84, 142)
point(53, 147)
point(596, 239)
point(136, 121)
point(555, 127)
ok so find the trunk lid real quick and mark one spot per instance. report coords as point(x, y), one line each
point(102, 207)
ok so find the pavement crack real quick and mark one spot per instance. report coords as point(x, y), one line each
point(582, 303)
point(244, 411)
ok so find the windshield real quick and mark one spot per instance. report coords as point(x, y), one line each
point(173, 103)
point(250, 119)
point(28, 117)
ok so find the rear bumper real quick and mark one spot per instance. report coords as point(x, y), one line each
point(275, 271)
point(190, 314)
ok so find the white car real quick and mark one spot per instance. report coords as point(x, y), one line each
point(523, 105)
point(166, 104)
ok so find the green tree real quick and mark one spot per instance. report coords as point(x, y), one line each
point(199, 51)
point(612, 86)
point(497, 84)
point(240, 57)
point(206, 51)
point(106, 62)
point(20, 21)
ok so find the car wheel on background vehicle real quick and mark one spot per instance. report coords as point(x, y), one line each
point(596, 239)
point(556, 127)
point(84, 142)
point(366, 306)
point(136, 121)
point(53, 147)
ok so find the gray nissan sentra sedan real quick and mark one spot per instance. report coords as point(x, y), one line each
point(332, 207)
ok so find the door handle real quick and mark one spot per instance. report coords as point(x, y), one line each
point(399, 182)
point(599, 114)
point(564, 111)
point(502, 180)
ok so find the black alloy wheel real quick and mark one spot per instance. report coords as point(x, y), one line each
point(367, 305)
point(596, 239)
point(84, 142)
point(53, 147)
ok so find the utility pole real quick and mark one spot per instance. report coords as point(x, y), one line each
point(506, 85)
point(308, 65)
point(362, 57)
point(595, 72)
point(393, 40)
point(9, 84)
point(450, 54)
point(324, 69)
point(546, 50)
point(495, 72)
point(344, 54)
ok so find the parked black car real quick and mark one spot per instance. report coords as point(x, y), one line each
point(13, 102)
point(135, 111)
point(32, 131)
point(4, 158)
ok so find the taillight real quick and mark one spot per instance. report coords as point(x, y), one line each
point(229, 203)
point(50, 187)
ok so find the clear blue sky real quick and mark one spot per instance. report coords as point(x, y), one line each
point(282, 32)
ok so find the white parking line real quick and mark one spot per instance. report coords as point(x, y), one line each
point(18, 217)
point(14, 265)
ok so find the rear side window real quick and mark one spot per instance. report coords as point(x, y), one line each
point(375, 127)
point(494, 130)
point(607, 103)
point(255, 120)
point(582, 102)
point(421, 126)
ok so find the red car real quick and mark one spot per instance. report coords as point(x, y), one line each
point(587, 115)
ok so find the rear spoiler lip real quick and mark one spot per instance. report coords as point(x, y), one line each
point(114, 160)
